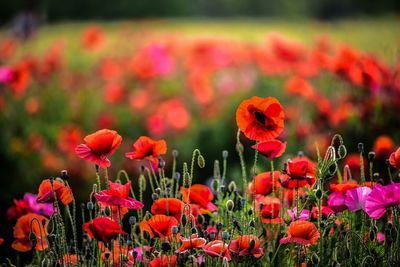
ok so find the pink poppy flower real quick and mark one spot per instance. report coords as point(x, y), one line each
point(381, 198)
point(304, 214)
point(118, 195)
point(380, 237)
point(336, 201)
point(355, 198)
point(98, 146)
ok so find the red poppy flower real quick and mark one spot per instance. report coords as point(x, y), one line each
point(147, 148)
point(98, 146)
point(244, 245)
point(270, 211)
point(191, 243)
point(300, 172)
point(114, 258)
point(164, 261)
point(260, 119)
point(118, 195)
point(21, 78)
point(344, 186)
point(25, 225)
point(69, 259)
point(395, 159)
point(103, 229)
point(69, 138)
point(325, 211)
point(62, 192)
point(301, 232)
point(1, 241)
point(262, 184)
point(217, 248)
point(383, 147)
point(201, 195)
point(271, 149)
point(159, 226)
point(92, 38)
point(168, 206)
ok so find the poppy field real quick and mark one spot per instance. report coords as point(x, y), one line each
point(156, 144)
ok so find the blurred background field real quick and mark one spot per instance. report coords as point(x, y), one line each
point(182, 78)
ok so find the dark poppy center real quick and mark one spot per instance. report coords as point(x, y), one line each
point(264, 120)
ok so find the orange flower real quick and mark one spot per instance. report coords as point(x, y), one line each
point(201, 195)
point(301, 232)
point(98, 146)
point(394, 159)
point(92, 38)
point(191, 243)
point(168, 206)
point(244, 245)
point(159, 226)
point(262, 184)
point(164, 261)
point(26, 224)
point(62, 192)
point(217, 248)
point(344, 186)
point(103, 229)
point(260, 119)
point(271, 207)
point(383, 146)
point(147, 148)
point(271, 149)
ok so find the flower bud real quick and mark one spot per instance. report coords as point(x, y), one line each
point(371, 156)
point(166, 246)
point(154, 196)
point(232, 187)
point(225, 235)
point(90, 205)
point(174, 230)
point(314, 258)
point(318, 193)
point(360, 147)
point(230, 205)
point(200, 161)
point(184, 220)
point(161, 163)
point(175, 153)
point(200, 219)
point(250, 212)
point(219, 226)
point(194, 230)
point(252, 224)
point(132, 220)
point(64, 175)
point(177, 176)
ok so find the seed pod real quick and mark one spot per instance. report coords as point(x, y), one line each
point(250, 212)
point(212, 236)
point(175, 153)
point(166, 246)
point(90, 205)
point(239, 147)
point(177, 176)
point(225, 154)
point(161, 163)
point(132, 220)
point(371, 156)
point(174, 230)
point(225, 235)
point(230, 205)
point(314, 258)
point(215, 185)
point(194, 230)
point(232, 187)
point(154, 196)
point(342, 151)
point(64, 175)
point(252, 223)
point(360, 147)
point(200, 161)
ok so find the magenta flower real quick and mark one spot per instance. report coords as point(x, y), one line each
point(381, 198)
point(118, 195)
point(380, 237)
point(336, 201)
point(6, 75)
point(29, 205)
point(304, 214)
point(355, 198)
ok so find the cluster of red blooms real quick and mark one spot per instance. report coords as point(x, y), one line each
point(154, 78)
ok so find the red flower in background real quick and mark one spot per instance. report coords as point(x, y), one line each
point(395, 159)
point(26, 224)
point(92, 38)
point(168, 206)
point(69, 138)
point(147, 148)
point(260, 119)
point(159, 226)
point(164, 261)
point(103, 229)
point(383, 146)
point(300, 172)
point(193, 242)
point(271, 149)
point(62, 192)
point(217, 248)
point(21, 78)
point(201, 195)
point(118, 195)
point(98, 146)
point(301, 232)
point(270, 210)
point(262, 183)
point(245, 245)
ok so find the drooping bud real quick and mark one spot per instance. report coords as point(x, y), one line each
point(232, 186)
point(230, 205)
point(200, 161)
